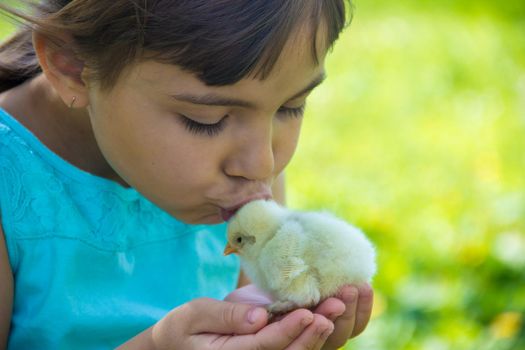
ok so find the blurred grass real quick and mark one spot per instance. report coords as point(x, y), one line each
point(418, 136)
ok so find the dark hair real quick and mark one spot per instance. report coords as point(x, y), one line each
point(222, 41)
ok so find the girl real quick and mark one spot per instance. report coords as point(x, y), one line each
point(129, 132)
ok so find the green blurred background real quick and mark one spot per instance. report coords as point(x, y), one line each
point(418, 137)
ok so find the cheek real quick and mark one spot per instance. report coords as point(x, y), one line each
point(286, 137)
point(170, 164)
point(153, 153)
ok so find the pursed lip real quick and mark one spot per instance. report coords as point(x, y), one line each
point(228, 212)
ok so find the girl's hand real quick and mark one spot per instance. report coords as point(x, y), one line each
point(212, 324)
point(357, 302)
point(350, 310)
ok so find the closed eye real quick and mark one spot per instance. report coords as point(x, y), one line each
point(292, 112)
point(197, 128)
point(214, 129)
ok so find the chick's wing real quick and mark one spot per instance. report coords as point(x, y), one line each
point(281, 258)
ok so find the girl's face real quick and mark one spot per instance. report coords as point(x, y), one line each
point(198, 151)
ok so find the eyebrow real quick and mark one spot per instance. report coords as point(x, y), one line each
point(212, 99)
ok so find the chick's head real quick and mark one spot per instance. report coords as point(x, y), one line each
point(252, 226)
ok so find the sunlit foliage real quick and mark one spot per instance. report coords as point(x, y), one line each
point(418, 136)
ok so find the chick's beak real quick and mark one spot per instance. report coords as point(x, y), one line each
point(229, 249)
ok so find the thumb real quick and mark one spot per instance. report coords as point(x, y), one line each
point(222, 317)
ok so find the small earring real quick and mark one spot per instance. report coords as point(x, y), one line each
point(73, 102)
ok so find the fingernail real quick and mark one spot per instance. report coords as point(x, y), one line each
point(255, 314)
point(307, 320)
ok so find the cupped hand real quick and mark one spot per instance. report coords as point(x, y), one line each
point(349, 310)
point(227, 325)
point(314, 334)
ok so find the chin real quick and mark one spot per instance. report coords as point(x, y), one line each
point(210, 219)
point(197, 215)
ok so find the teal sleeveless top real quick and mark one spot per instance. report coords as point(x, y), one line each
point(94, 263)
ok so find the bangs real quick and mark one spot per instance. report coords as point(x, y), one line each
point(220, 41)
point(225, 41)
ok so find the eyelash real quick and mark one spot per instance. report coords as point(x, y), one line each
point(214, 129)
point(293, 112)
point(200, 128)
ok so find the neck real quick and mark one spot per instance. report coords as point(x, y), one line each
point(66, 131)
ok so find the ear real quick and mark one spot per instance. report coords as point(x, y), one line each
point(63, 70)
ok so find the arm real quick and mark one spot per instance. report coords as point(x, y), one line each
point(243, 280)
point(6, 292)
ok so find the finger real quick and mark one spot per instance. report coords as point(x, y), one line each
point(364, 308)
point(315, 335)
point(220, 317)
point(331, 308)
point(277, 335)
point(344, 324)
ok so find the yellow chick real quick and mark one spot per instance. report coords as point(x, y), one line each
point(299, 258)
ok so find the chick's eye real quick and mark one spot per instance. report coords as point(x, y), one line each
point(239, 240)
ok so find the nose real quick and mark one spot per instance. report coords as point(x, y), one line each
point(252, 155)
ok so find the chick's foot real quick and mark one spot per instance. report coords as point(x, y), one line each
point(281, 307)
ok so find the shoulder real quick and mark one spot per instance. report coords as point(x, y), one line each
point(5, 133)
point(14, 155)
point(23, 176)
point(13, 144)
point(8, 160)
